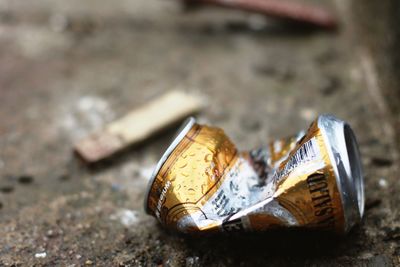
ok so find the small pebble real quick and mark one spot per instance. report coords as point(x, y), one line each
point(366, 255)
point(41, 255)
point(372, 203)
point(25, 179)
point(381, 162)
point(50, 233)
point(126, 217)
point(193, 261)
point(383, 183)
point(88, 262)
point(6, 189)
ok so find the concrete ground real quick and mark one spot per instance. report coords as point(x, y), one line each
point(69, 67)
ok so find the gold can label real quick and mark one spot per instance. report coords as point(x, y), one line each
point(206, 185)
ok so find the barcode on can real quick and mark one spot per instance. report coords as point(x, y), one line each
point(309, 151)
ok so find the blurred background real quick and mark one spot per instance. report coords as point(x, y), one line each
point(67, 68)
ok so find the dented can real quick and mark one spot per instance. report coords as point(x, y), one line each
point(314, 179)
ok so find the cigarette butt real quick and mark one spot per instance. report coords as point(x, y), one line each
point(138, 125)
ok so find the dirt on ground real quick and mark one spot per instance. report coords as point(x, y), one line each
point(68, 68)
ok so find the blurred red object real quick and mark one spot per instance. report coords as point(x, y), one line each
point(282, 9)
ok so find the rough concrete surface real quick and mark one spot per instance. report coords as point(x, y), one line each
point(69, 67)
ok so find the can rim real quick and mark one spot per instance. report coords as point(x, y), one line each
point(180, 134)
point(346, 162)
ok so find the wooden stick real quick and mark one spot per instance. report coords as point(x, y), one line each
point(138, 125)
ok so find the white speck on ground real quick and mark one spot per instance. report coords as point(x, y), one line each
point(126, 217)
point(41, 255)
point(366, 256)
point(192, 261)
point(383, 183)
point(85, 115)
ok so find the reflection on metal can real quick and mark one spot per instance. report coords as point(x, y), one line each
point(313, 179)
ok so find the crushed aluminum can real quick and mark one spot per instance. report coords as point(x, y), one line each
point(314, 179)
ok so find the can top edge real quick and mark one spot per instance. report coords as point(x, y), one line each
point(346, 166)
point(183, 130)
